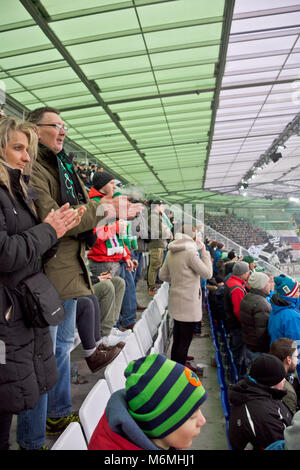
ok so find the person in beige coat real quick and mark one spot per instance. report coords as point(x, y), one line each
point(183, 268)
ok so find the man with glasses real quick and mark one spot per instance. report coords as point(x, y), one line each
point(55, 181)
point(286, 350)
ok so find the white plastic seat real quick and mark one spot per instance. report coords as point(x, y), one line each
point(71, 439)
point(143, 335)
point(93, 407)
point(165, 327)
point(132, 349)
point(114, 373)
point(153, 317)
point(165, 293)
point(159, 345)
point(162, 297)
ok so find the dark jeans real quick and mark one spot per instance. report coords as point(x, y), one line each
point(137, 274)
point(182, 338)
point(88, 320)
point(128, 309)
point(238, 350)
point(5, 424)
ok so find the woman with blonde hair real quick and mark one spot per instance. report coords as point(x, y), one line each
point(27, 363)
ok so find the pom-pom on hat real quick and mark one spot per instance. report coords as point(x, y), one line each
point(101, 178)
point(161, 394)
point(286, 286)
point(258, 280)
point(267, 369)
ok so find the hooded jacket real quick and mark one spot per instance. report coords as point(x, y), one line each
point(183, 268)
point(117, 430)
point(284, 320)
point(254, 315)
point(27, 364)
point(257, 415)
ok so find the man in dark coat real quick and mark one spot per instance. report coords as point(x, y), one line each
point(258, 416)
point(254, 316)
point(54, 180)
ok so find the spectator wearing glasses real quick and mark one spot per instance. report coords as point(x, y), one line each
point(286, 350)
point(56, 183)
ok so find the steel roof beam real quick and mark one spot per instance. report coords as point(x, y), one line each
point(115, 35)
point(42, 23)
point(269, 12)
point(22, 111)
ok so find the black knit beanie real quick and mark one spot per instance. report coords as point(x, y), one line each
point(267, 370)
point(101, 178)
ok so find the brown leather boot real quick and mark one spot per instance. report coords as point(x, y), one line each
point(101, 358)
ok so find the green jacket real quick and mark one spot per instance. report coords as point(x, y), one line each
point(67, 269)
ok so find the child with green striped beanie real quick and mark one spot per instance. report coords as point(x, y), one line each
point(158, 409)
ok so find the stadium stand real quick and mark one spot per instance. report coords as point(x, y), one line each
point(183, 102)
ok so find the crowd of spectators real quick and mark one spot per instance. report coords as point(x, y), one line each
point(85, 170)
point(261, 315)
point(50, 223)
point(238, 229)
point(56, 224)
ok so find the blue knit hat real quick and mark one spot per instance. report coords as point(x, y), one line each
point(161, 394)
point(286, 286)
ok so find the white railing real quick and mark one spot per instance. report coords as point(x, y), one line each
point(240, 250)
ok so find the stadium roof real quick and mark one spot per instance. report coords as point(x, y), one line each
point(180, 97)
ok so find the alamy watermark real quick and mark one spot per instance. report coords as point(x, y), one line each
point(154, 222)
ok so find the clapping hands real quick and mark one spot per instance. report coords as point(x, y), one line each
point(64, 218)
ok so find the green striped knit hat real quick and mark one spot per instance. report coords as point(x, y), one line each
point(161, 394)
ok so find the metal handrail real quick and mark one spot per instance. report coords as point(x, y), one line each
point(240, 250)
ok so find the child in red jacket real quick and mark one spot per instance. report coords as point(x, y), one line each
point(109, 248)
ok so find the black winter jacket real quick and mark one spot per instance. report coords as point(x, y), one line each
point(254, 316)
point(257, 415)
point(27, 363)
